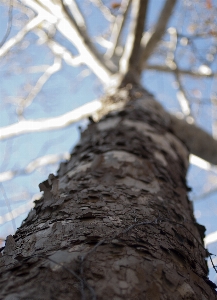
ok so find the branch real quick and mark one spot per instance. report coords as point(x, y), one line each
point(39, 85)
point(66, 27)
point(76, 13)
point(33, 165)
point(210, 238)
point(57, 50)
point(19, 210)
point(158, 33)
point(202, 164)
point(27, 126)
point(129, 60)
point(182, 98)
point(104, 9)
point(118, 27)
point(168, 69)
point(199, 142)
point(85, 39)
point(65, 54)
point(20, 35)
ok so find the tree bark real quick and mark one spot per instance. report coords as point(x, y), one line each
point(116, 222)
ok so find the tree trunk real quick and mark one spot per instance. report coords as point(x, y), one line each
point(116, 222)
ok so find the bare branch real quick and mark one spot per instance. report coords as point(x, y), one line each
point(168, 69)
point(159, 30)
point(65, 54)
point(68, 29)
point(58, 50)
point(21, 34)
point(118, 26)
point(129, 60)
point(203, 164)
point(39, 85)
point(182, 98)
point(16, 212)
point(199, 142)
point(33, 165)
point(45, 15)
point(76, 13)
point(27, 126)
point(210, 238)
point(103, 42)
point(104, 9)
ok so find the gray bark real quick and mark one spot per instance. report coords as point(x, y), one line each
point(116, 222)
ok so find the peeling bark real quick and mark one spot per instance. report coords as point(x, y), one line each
point(116, 222)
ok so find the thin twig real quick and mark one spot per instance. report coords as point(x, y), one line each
point(214, 267)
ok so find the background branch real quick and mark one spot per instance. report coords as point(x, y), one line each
point(55, 67)
point(129, 60)
point(117, 27)
point(67, 28)
point(20, 35)
point(76, 13)
point(168, 69)
point(27, 126)
point(158, 32)
point(104, 9)
point(34, 165)
point(19, 210)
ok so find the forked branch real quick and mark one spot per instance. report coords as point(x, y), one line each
point(129, 62)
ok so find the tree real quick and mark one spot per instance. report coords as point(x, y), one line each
point(116, 220)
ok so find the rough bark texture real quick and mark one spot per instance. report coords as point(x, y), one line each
point(116, 222)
